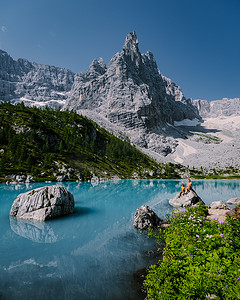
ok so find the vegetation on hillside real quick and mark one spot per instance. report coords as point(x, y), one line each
point(201, 259)
point(49, 143)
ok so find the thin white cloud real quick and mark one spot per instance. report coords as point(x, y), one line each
point(3, 28)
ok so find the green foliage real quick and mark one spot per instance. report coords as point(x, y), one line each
point(201, 259)
point(36, 140)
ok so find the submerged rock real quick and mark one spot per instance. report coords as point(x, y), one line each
point(43, 203)
point(145, 218)
point(188, 199)
point(38, 232)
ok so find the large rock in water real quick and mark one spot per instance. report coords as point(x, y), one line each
point(188, 199)
point(43, 203)
point(145, 218)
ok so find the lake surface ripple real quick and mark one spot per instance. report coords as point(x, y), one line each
point(93, 253)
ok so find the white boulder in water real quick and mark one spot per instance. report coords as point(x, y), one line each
point(43, 203)
point(145, 218)
point(187, 199)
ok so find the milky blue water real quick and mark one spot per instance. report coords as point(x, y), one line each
point(93, 253)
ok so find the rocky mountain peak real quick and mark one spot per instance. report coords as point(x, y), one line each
point(130, 49)
point(131, 42)
point(102, 63)
point(132, 94)
point(96, 68)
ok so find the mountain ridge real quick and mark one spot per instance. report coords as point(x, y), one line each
point(131, 93)
point(134, 101)
point(21, 80)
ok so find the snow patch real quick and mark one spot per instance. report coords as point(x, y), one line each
point(187, 122)
point(28, 102)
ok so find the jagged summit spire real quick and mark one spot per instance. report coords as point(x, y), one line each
point(97, 67)
point(131, 42)
point(130, 48)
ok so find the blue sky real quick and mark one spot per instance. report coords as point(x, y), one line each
point(196, 43)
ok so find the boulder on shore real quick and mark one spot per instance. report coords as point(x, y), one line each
point(235, 213)
point(187, 199)
point(234, 201)
point(43, 203)
point(145, 218)
point(219, 205)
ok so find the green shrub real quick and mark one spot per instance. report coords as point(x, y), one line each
point(201, 259)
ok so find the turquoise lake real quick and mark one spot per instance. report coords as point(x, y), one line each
point(93, 253)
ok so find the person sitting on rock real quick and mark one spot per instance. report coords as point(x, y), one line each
point(189, 185)
point(182, 190)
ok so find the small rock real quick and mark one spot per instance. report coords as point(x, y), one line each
point(30, 179)
point(219, 205)
point(20, 178)
point(234, 201)
point(218, 214)
point(188, 199)
point(235, 213)
point(61, 178)
point(43, 203)
point(145, 218)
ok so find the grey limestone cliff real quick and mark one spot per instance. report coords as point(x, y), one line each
point(217, 108)
point(21, 80)
point(132, 93)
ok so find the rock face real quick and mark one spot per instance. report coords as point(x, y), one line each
point(43, 203)
point(145, 218)
point(225, 107)
point(188, 199)
point(132, 94)
point(32, 83)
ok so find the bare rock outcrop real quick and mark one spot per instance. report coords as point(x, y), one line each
point(43, 203)
point(187, 199)
point(145, 218)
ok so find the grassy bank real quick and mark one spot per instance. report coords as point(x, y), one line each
point(201, 259)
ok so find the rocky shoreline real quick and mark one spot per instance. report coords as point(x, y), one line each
point(145, 218)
